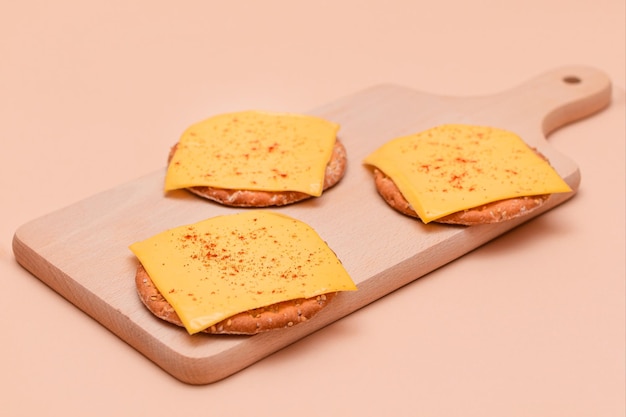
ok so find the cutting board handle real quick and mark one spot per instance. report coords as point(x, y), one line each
point(564, 95)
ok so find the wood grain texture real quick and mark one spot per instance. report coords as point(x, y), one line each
point(82, 250)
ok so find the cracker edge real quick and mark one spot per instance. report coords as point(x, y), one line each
point(494, 212)
point(276, 316)
point(335, 170)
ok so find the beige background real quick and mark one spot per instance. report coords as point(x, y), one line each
point(92, 94)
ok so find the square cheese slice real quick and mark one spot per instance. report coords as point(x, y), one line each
point(454, 167)
point(213, 269)
point(254, 150)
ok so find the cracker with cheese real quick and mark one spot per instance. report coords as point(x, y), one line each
point(241, 273)
point(257, 159)
point(463, 174)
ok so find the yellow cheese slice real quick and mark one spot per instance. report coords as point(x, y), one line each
point(210, 270)
point(254, 150)
point(454, 167)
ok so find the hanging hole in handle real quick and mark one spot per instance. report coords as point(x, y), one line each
point(572, 79)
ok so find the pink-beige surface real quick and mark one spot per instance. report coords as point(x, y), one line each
point(532, 323)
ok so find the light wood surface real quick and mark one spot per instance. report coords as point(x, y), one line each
point(531, 323)
point(381, 249)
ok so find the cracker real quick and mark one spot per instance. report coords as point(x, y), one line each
point(494, 212)
point(335, 170)
point(276, 316)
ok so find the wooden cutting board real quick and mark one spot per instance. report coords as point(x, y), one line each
point(82, 251)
